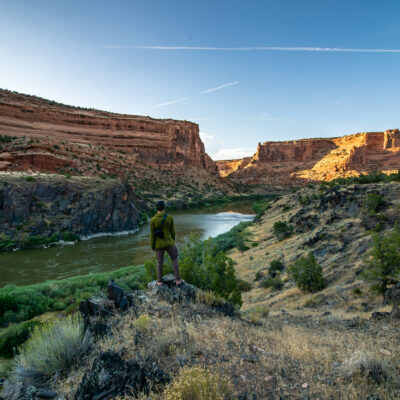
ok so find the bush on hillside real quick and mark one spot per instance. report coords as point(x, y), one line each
point(202, 265)
point(196, 383)
point(373, 202)
point(272, 282)
point(307, 273)
point(276, 267)
point(282, 230)
point(50, 349)
point(384, 262)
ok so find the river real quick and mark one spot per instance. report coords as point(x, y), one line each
point(108, 253)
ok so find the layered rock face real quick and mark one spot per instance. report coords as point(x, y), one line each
point(298, 161)
point(163, 143)
point(84, 206)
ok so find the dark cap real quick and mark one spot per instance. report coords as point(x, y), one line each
point(160, 205)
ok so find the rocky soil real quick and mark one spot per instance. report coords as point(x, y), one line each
point(139, 341)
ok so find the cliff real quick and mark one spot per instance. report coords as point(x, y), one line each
point(301, 161)
point(160, 143)
point(42, 210)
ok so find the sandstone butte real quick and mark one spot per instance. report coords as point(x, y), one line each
point(297, 161)
point(159, 143)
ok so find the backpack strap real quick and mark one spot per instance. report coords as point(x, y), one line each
point(163, 220)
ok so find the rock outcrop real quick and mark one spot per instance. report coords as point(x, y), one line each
point(161, 143)
point(307, 160)
point(43, 207)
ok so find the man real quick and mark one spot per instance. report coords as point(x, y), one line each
point(162, 238)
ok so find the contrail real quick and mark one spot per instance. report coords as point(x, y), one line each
point(259, 48)
point(168, 103)
point(219, 87)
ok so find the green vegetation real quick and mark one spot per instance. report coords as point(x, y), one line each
point(373, 177)
point(307, 273)
point(50, 349)
point(30, 179)
point(256, 313)
point(282, 230)
point(260, 207)
point(7, 139)
point(13, 336)
point(373, 203)
point(274, 282)
point(204, 265)
point(29, 301)
point(276, 267)
point(28, 242)
point(384, 263)
point(234, 238)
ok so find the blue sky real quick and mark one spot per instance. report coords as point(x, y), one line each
point(163, 58)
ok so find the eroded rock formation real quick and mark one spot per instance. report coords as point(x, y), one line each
point(161, 143)
point(317, 159)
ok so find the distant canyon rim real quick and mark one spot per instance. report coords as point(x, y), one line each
point(77, 141)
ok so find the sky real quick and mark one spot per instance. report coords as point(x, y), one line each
point(246, 71)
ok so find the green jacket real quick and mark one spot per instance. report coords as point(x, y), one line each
point(169, 231)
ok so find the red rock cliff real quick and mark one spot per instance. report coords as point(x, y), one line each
point(164, 143)
point(317, 159)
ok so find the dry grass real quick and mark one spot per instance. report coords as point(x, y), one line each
point(282, 356)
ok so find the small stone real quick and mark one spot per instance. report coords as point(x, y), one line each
point(268, 378)
point(304, 385)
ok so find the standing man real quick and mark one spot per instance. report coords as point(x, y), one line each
point(162, 237)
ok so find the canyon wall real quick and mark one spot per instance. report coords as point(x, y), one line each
point(161, 143)
point(302, 161)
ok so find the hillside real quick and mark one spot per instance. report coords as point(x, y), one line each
point(335, 224)
point(302, 161)
point(180, 343)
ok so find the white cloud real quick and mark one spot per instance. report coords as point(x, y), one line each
point(231, 154)
point(258, 48)
point(219, 87)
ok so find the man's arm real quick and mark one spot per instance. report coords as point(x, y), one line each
point(172, 228)
point(152, 236)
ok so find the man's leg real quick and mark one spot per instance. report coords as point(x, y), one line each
point(173, 253)
point(160, 263)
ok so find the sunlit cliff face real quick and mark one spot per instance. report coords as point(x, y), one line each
point(317, 159)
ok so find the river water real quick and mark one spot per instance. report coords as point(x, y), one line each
point(108, 253)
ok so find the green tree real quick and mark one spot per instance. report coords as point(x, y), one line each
point(307, 273)
point(282, 229)
point(384, 260)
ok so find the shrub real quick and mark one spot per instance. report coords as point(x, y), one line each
point(373, 202)
point(196, 383)
point(255, 314)
point(282, 229)
point(243, 286)
point(70, 237)
point(30, 179)
point(142, 323)
point(307, 273)
point(50, 349)
point(202, 265)
point(259, 276)
point(14, 336)
point(275, 267)
point(209, 298)
point(384, 260)
point(274, 282)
